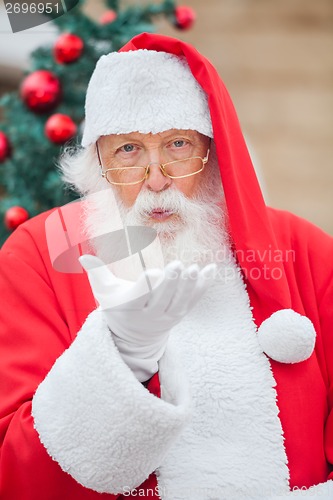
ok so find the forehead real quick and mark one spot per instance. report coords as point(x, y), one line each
point(114, 139)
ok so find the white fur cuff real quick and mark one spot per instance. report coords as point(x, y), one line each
point(97, 421)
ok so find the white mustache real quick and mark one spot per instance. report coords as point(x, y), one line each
point(170, 200)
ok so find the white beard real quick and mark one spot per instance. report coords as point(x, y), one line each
point(195, 234)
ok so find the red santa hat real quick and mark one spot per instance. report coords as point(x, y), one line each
point(156, 83)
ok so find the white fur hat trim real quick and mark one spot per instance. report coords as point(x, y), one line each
point(287, 337)
point(143, 91)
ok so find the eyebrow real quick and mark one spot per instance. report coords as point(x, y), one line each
point(123, 138)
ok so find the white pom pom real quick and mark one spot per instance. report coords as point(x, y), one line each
point(287, 337)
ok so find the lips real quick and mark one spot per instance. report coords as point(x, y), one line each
point(160, 213)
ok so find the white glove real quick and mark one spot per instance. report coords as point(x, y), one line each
point(141, 314)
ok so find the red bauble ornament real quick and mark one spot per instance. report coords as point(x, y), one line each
point(60, 128)
point(184, 16)
point(68, 48)
point(14, 216)
point(41, 91)
point(108, 17)
point(5, 148)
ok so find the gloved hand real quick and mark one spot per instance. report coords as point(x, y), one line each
point(141, 314)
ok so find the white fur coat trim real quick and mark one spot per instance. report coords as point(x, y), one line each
point(97, 421)
point(233, 445)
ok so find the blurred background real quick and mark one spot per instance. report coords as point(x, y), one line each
point(276, 60)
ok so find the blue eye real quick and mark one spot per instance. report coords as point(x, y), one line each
point(179, 143)
point(128, 148)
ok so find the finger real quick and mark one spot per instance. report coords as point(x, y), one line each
point(206, 277)
point(194, 291)
point(162, 294)
point(209, 272)
point(186, 285)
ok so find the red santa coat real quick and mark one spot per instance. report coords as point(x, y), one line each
point(45, 310)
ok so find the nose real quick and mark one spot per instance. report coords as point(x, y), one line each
point(156, 180)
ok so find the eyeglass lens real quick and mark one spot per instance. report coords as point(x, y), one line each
point(176, 169)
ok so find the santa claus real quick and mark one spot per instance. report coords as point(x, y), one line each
point(169, 335)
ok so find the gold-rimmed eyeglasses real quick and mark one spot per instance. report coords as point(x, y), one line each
point(176, 169)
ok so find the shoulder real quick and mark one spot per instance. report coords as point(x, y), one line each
point(29, 239)
point(296, 231)
point(55, 239)
point(311, 250)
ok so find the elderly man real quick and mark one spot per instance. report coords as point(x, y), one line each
point(193, 358)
